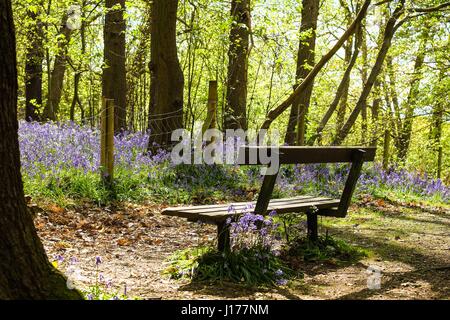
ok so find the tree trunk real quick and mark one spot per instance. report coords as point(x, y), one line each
point(236, 99)
point(137, 73)
point(404, 136)
point(391, 91)
point(114, 74)
point(348, 57)
point(437, 120)
point(305, 61)
point(79, 72)
point(33, 68)
point(387, 40)
point(364, 70)
point(24, 268)
point(343, 99)
point(167, 82)
point(59, 70)
point(386, 148)
point(375, 114)
point(76, 97)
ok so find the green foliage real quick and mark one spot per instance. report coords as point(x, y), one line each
point(100, 292)
point(162, 183)
point(254, 266)
point(203, 41)
point(200, 184)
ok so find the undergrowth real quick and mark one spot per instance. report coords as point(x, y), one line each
point(253, 267)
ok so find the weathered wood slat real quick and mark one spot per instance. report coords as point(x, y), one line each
point(281, 206)
point(350, 184)
point(220, 212)
point(237, 205)
point(285, 208)
point(266, 192)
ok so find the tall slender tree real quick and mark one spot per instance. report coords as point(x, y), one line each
point(403, 137)
point(167, 81)
point(33, 64)
point(343, 102)
point(59, 69)
point(114, 72)
point(25, 272)
point(236, 98)
point(296, 128)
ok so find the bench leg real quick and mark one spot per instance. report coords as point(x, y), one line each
point(223, 237)
point(312, 226)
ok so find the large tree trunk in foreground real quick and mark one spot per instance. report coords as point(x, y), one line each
point(59, 69)
point(167, 82)
point(114, 74)
point(33, 68)
point(236, 104)
point(25, 272)
point(305, 61)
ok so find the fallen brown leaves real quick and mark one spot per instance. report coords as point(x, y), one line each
point(135, 241)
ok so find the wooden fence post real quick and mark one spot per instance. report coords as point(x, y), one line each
point(107, 141)
point(386, 146)
point(210, 122)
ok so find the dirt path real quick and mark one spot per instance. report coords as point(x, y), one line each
point(411, 246)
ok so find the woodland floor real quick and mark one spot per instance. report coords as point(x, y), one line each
point(411, 245)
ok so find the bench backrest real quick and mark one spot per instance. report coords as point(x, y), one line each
point(308, 155)
point(303, 155)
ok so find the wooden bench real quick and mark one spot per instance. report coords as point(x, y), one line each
point(312, 206)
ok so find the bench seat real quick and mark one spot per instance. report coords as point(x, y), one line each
point(220, 212)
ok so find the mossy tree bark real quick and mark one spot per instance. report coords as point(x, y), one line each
point(295, 133)
point(33, 67)
point(114, 72)
point(167, 80)
point(51, 110)
point(236, 99)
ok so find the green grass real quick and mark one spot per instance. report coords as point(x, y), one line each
point(187, 184)
point(326, 248)
point(161, 184)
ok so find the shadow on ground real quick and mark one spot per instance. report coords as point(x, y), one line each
point(424, 263)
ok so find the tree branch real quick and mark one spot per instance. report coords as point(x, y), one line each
point(274, 113)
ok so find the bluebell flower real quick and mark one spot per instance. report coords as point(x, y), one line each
point(279, 272)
